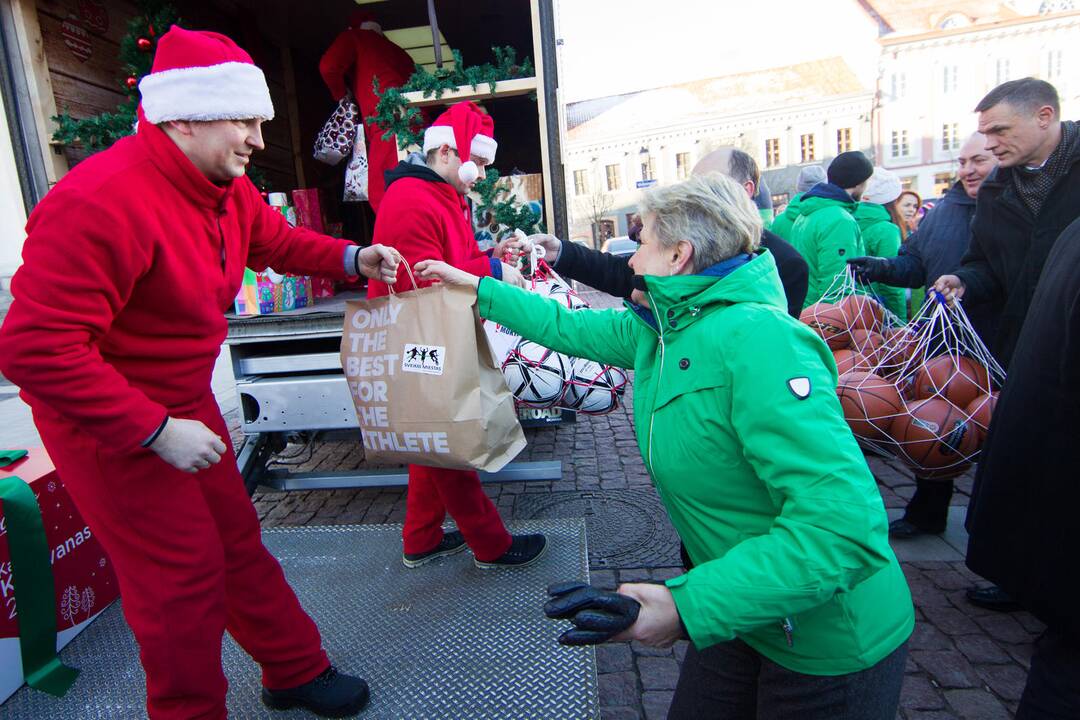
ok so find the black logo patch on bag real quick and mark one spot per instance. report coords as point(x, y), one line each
point(427, 359)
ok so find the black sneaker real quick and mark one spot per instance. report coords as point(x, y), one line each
point(452, 542)
point(901, 529)
point(524, 550)
point(331, 694)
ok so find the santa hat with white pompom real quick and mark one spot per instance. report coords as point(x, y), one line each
point(464, 125)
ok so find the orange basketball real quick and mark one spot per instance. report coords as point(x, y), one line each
point(847, 360)
point(980, 410)
point(870, 403)
point(829, 322)
point(899, 347)
point(862, 313)
point(935, 436)
point(868, 344)
point(958, 379)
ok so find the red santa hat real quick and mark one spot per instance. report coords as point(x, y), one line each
point(202, 75)
point(464, 125)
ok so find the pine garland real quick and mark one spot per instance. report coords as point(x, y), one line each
point(497, 198)
point(394, 115)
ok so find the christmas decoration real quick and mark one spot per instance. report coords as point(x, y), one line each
point(137, 57)
point(497, 199)
point(394, 115)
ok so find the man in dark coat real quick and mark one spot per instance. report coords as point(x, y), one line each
point(1022, 514)
point(1021, 210)
point(935, 249)
point(612, 274)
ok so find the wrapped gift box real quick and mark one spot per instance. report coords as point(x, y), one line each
point(268, 292)
point(84, 581)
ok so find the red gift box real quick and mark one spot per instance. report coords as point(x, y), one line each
point(83, 577)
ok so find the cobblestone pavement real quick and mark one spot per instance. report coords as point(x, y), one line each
point(964, 663)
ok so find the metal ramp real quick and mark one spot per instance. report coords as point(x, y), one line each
point(443, 642)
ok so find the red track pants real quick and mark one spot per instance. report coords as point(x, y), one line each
point(191, 564)
point(435, 491)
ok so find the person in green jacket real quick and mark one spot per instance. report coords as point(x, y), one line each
point(826, 233)
point(809, 176)
point(878, 218)
point(740, 428)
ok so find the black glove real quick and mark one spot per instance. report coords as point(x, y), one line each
point(869, 269)
point(597, 615)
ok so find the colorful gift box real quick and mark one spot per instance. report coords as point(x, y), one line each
point(268, 292)
point(82, 577)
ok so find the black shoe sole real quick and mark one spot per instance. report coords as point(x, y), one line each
point(345, 711)
point(433, 556)
point(494, 565)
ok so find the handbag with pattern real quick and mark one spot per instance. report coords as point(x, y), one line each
point(335, 141)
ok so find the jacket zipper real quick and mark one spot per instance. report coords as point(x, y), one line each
point(659, 376)
point(789, 631)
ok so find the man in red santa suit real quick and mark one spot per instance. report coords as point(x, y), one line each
point(425, 216)
point(129, 264)
point(361, 53)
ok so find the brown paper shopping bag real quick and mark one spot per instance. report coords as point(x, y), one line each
point(424, 383)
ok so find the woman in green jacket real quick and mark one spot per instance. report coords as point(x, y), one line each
point(880, 224)
point(796, 598)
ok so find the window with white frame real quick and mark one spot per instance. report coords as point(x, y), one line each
point(772, 152)
point(843, 140)
point(950, 138)
point(682, 165)
point(950, 78)
point(612, 172)
point(900, 147)
point(581, 182)
point(806, 148)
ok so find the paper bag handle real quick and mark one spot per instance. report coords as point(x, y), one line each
point(411, 277)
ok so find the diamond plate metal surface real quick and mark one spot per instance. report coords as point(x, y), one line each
point(443, 642)
point(627, 528)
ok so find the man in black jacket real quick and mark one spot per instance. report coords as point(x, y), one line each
point(935, 249)
point(1021, 210)
point(612, 274)
point(1022, 517)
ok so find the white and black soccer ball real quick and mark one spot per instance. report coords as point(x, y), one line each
point(536, 376)
point(565, 296)
point(594, 388)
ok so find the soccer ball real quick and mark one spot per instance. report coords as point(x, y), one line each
point(565, 296)
point(594, 388)
point(536, 376)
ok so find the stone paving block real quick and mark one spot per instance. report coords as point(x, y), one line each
point(1007, 681)
point(1004, 628)
point(960, 602)
point(1021, 654)
point(949, 620)
point(658, 673)
point(618, 689)
point(634, 575)
point(614, 657)
point(919, 693)
point(947, 579)
point(976, 705)
point(1029, 622)
point(981, 650)
point(928, 637)
point(619, 713)
point(925, 594)
point(928, 715)
point(948, 668)
point(656, 704)
point(680, 649)
point(642, 650)
point(666, 573)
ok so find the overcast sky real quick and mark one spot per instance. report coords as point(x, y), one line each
point(616, 46)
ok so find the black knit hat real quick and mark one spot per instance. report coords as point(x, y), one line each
point(849, 169)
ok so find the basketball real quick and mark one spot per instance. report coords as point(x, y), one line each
point(847, 360)
point(934, 435)
point(829, 322)
point(980, 410)
point(868, 344)
point(958, 379)
point(862, 313)
point(870, 404)
point(536, 375)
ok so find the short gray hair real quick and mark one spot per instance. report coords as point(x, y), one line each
point(712, 212)
point(1026, 95)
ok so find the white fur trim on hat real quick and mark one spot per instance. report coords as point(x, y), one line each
point(483, 146)
point(228, 91)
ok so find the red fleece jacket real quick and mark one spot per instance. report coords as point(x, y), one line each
point(129, 264)
point(426, 219)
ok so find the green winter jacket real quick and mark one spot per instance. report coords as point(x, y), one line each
point(881, 237)
point(737, 419)
point(782, 223)
point(826, 235)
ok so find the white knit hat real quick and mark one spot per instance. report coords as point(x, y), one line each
point(882, 187)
